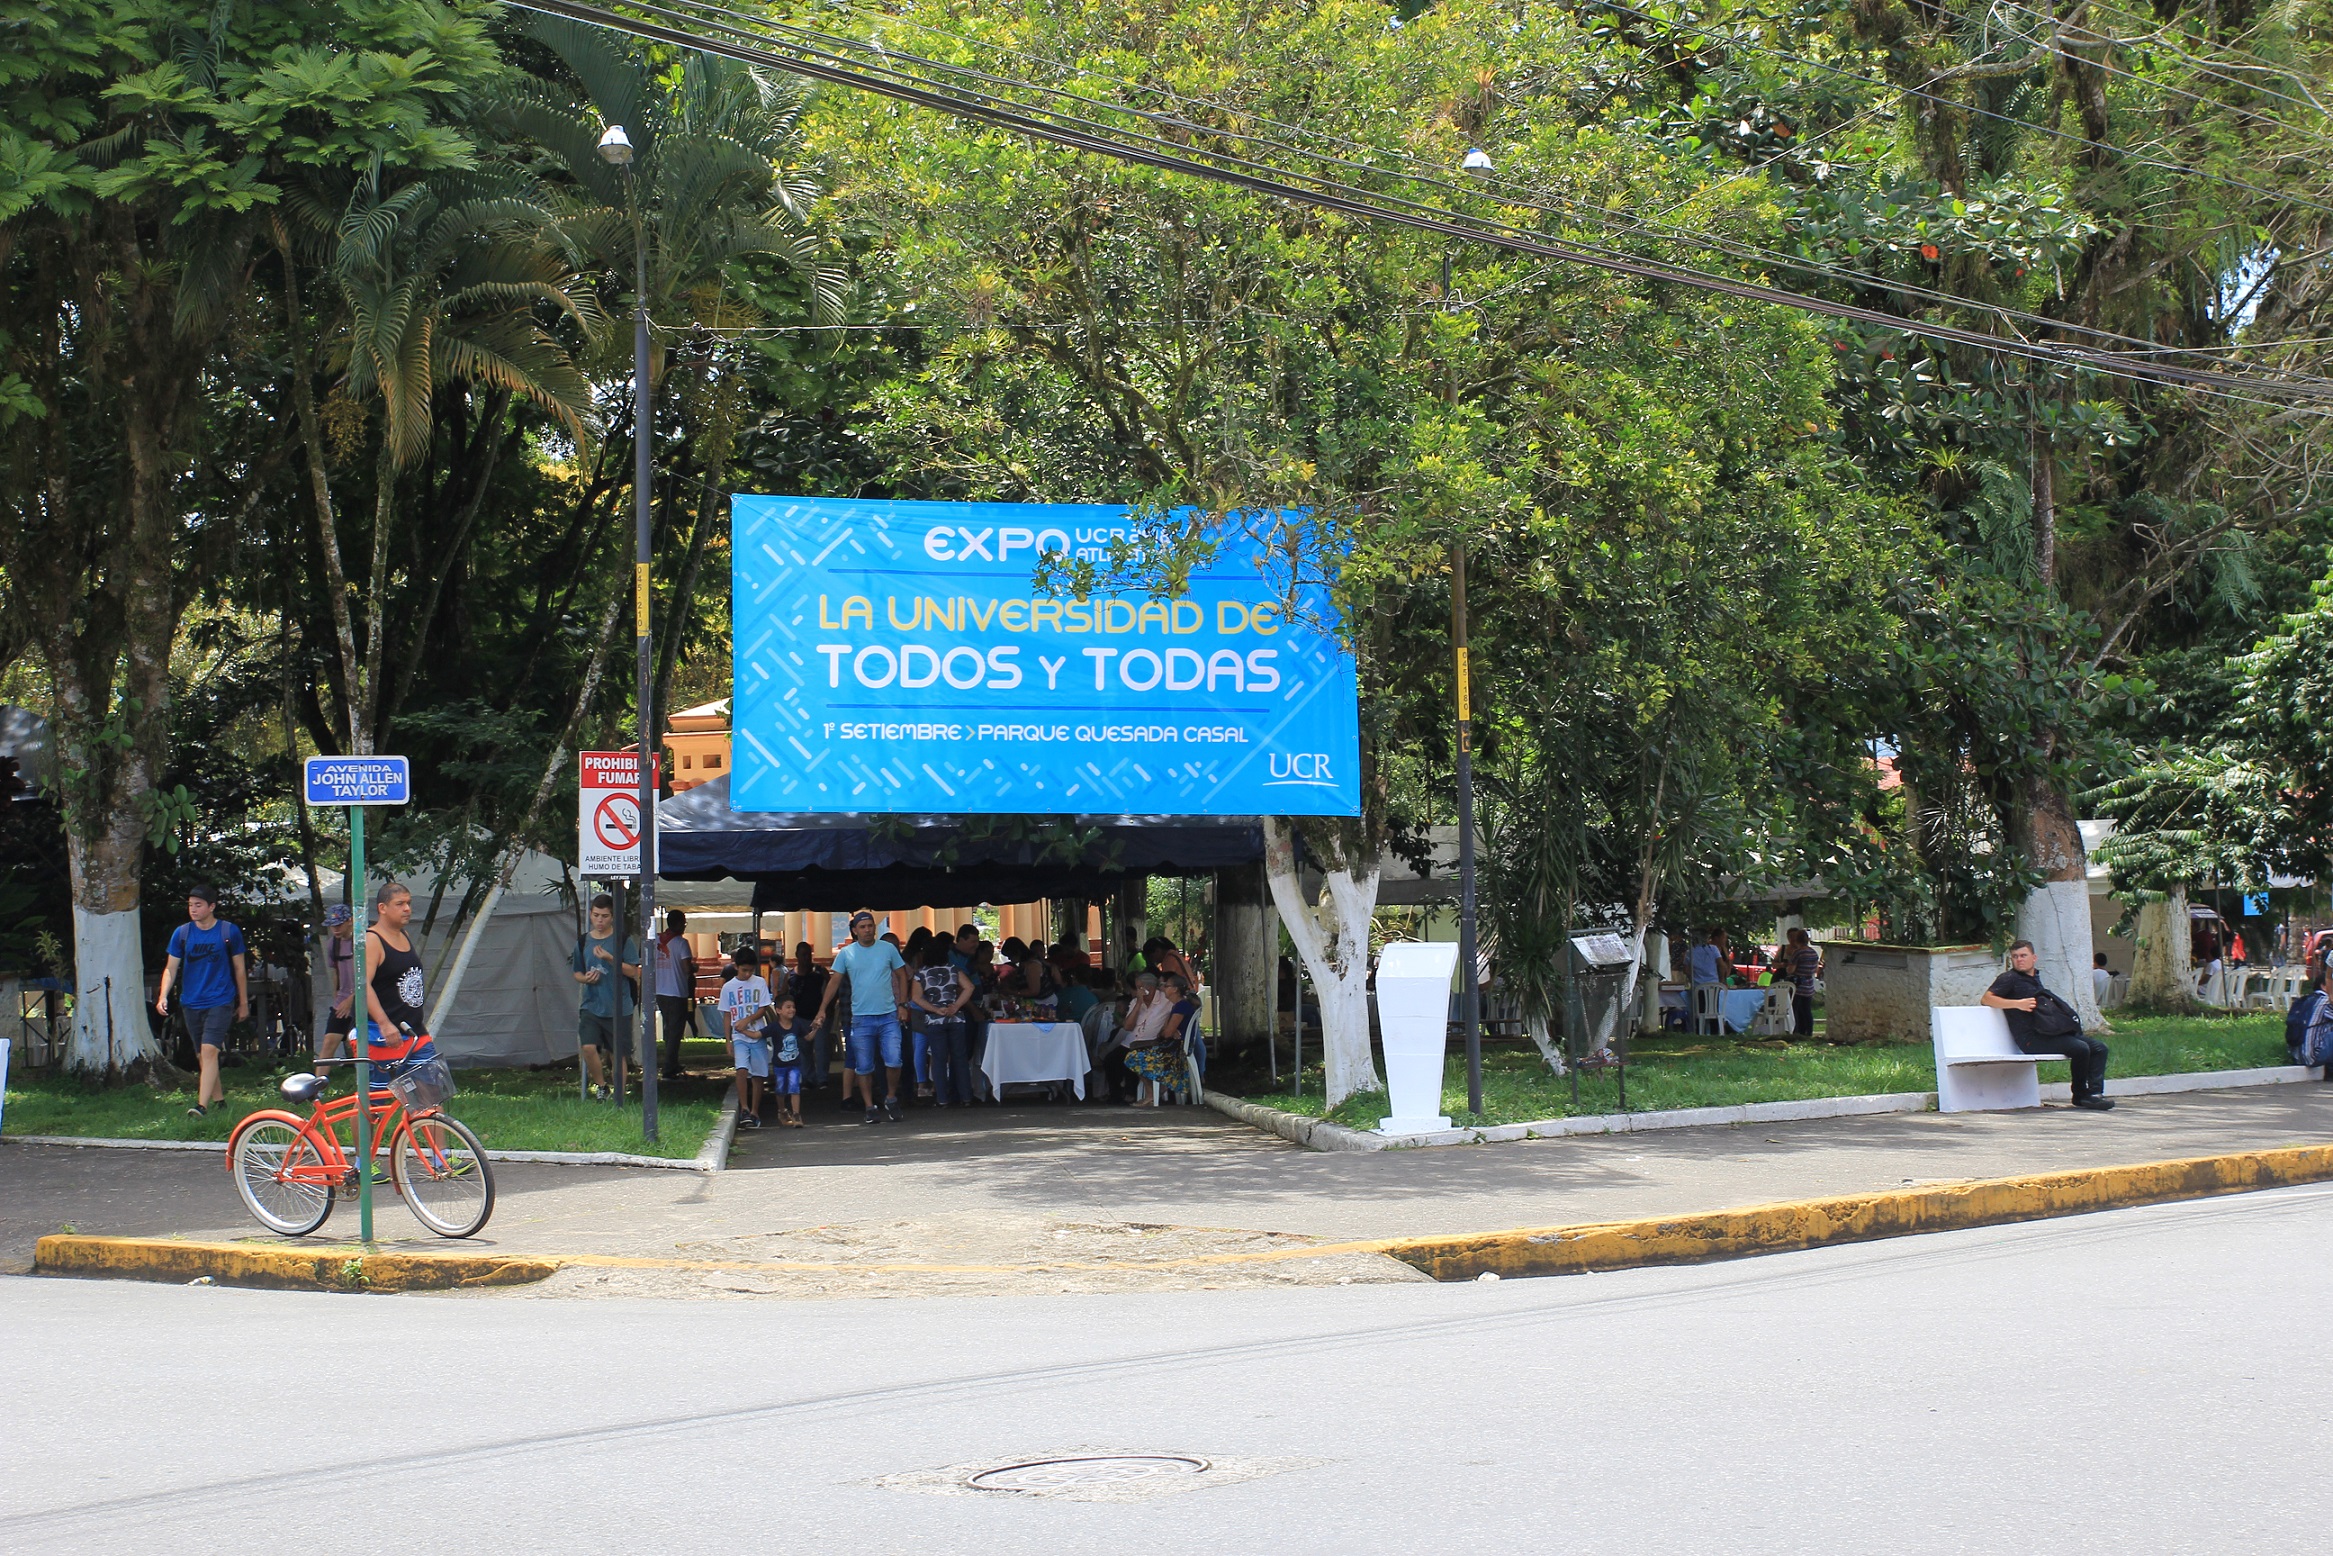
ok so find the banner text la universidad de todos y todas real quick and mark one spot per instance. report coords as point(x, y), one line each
point(898, 656)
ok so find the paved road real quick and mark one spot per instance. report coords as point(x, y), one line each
point(1017, 1170)
point(2146, 1380)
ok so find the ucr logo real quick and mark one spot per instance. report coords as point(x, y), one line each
point(1306, 767)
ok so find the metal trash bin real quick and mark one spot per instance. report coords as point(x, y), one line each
point(1597, 1015)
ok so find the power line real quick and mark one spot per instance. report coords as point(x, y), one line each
point(2180, 54)
point(1438, 180)
point(2230, 49)
point(1434, 177)
point(2050, 130)
point(1323, 194)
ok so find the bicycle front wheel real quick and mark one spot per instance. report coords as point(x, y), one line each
point(443, 1173)
point(279, 1173)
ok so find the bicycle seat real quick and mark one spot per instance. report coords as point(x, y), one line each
point(303, 1088)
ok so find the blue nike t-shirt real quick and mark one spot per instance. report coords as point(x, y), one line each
point(206, 971)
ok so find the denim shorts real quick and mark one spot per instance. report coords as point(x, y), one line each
point(751, 1053)
point(866, 1033)
point(785, 1080)
point(208, 1024)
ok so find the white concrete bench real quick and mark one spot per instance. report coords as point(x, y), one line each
point(1978, 1065)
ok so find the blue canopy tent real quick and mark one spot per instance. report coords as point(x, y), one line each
point(833, 863)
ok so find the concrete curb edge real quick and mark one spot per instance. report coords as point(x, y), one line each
point(714, 1155)
point(322, 1268)
point(698, 1163)
point(1855, 1218)
point(1322, 1135)
point(1695, 1238)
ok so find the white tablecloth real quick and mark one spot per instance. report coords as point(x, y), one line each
point(1034, 1051)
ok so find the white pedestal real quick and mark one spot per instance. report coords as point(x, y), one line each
point(1413, 1018)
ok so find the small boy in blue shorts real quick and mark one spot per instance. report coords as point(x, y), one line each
point(789, 1036)
point(745, 1001)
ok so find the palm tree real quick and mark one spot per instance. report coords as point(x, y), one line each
point(720, 182)
point(454, 278)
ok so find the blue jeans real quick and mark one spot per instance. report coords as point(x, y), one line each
point(951, 1049)
point(922, 1044)
point(868, 1033)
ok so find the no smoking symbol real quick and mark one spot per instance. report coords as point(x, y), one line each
point(616, 823)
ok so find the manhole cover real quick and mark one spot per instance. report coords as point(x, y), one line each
point(1082, 1472)
point(1121, 1471)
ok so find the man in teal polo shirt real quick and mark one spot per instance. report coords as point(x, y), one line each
point(877, 978)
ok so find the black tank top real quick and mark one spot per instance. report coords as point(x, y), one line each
point(396, 980)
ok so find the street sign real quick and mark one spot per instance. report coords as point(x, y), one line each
point(608, 813)
point(359, 780)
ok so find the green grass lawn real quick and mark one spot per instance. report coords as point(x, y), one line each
point(511, 1110)
point(1698, 1072)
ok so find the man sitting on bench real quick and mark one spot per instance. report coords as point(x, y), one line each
point(2042, 1023)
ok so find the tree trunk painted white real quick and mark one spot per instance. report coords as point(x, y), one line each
point(452, 987)
point(1600, 1040)
point(2162, 974)
point(1332, 937)
point(110, 1029)
point(2056, 918)
point(1544, 1040)
point(1653, 970)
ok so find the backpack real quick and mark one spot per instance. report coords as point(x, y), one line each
point(2053, 1017)
point(2296, 1024)
point(2317, 1039)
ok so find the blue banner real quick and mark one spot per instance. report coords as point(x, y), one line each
point(901, 656)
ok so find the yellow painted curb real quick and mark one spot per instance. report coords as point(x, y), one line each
point(1550, 1250)
point(320, 1268)
point(1854, 1218)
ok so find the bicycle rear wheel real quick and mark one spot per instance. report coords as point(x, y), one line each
point(266, 1155)
point(443, 1173)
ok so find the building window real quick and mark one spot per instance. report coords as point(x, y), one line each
point(688, 761)
point(712, 763)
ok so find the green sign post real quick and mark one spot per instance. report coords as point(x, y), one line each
point(358, 782)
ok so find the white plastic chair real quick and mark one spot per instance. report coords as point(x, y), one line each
point(1708, 1012)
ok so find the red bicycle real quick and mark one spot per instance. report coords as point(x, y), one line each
point(290, 1169)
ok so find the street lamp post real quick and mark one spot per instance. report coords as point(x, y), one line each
point(1469, 974)
point(616, 147)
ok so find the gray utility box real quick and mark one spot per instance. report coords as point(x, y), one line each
point(1883, 993)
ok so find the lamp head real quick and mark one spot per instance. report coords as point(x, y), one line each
point(1476, 160)
point(615, 147)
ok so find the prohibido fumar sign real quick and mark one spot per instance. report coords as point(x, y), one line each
point(904, 656)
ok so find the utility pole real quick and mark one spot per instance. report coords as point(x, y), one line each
point(616, 147)
point(1469, 987)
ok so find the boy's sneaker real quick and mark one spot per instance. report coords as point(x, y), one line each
point(874, 1116)
point(749, 1121)
point(891, 1109)
point(198, 1111)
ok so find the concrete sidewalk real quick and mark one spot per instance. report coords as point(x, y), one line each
point(1003, 1186)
